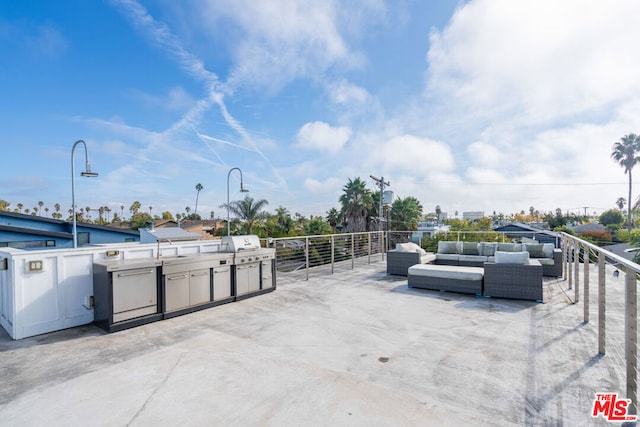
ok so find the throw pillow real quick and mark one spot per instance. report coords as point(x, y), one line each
point(535, 250)
point(548, 248)
point(487, 249)
point(469, 248)
point(447, 247)
point(512, 257)
point(506, 247)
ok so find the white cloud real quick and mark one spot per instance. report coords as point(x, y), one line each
point(408, 152)
point(343, 92)
point(322, 136)
point(546, 59)
point(275, 42)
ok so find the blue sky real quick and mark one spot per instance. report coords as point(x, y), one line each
point(488, 105)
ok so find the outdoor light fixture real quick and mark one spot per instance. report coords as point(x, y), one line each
point(242, 190)
point(86, 173)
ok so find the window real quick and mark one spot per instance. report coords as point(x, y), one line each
point(29, 244)
point(83, 238)
point(130, 239)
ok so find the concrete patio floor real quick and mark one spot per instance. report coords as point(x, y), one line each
point(358, 348)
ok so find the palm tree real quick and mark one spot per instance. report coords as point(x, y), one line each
point(625, 152)
point(356, 202)
point(135, 207)
point(334, 218)
point(40, 205)
point(121, 212)
point(405, 214)
point(284, 220)
point(248, 210)
point(46, 211)
point(57, 207)
point(20, 205)
point(199, 188)
point(620, 202)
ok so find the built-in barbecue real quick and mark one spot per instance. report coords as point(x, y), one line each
point(253, 265)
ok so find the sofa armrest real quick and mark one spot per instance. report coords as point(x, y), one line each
point(519, 281)
point(399, 262)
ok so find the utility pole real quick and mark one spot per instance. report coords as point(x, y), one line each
point(380, 182)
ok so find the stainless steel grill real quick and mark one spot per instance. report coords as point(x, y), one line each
point(253, 265)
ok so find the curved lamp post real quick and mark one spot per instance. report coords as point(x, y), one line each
point(242, 189)
point(86, 173)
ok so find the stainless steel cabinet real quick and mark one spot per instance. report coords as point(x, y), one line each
point(199, 286)
point(176, 291)
point(221, 282)
point(267, 274)
point(125, 293)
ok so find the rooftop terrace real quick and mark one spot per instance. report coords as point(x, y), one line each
point(354, 348)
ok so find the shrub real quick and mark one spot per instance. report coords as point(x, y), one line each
point(599, 238)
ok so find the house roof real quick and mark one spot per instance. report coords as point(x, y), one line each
point(171, 233)
point(64, 225)
point(36, 232)
point(524, 227)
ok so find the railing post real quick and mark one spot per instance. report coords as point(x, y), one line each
point(602, 298)
point(333, 249)
point(631, 336)
point(353, 252)
point(570, 257)
point(576, 271)
point(586, 255)
point(306, 255)
point(369, 247)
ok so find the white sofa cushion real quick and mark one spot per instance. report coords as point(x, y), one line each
point(447, 271)
point(469, 248)
point(472, 258)
point(409, 247)
point(447, 257)
point(511, 257)
point(448, 247)
point(487, 249)
point(548, 248)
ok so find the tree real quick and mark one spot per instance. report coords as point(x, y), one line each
point(405, 214)
point(20, 205)
point(438, 212)
point(40, 205)
point(248, 210)
point(334, 217)
point(121, 212)
point(317, 226)
point(284, 222)
point(611, 216)
point(167, 215)
point(135, 207)
point(620, 202)
point(4, 205)
point(625, 152)
point(199, 188)
point(356, 204)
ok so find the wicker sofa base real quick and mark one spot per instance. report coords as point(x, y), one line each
point(513, 281)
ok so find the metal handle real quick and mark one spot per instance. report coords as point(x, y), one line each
point(204, 273)
point(226, 270)
point(177, 277)
point(137, 273)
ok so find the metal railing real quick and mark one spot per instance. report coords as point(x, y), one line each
point(576, 252)
point(299, 256)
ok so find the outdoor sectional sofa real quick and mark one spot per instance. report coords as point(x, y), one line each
point(510, 275)
point(475, 254)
